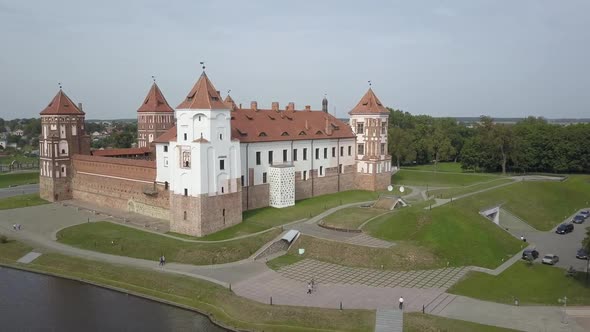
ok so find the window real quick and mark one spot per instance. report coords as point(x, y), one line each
point(361, 149)
point(321, 170)
point(165, 162)
point(341, 151)
point(63, 151)
point(334, 152)
point(340, 168)
point(165, 148)
point(294, 154)
point(304, 153)
point(221, 137)
point(186, 157)
point(221, 164)
point(304, 175)
point(284, 155)
point(258, 158)
point(185, 192)
point(350, 150)
point(264, 177)
point(223, 212)
point(360, 127)
point(383, 128)
point(222, 190)
point(166, 185)
point(243, 184)
point(184, 215)
point(317, 153)
point(325, 153)
point(270, 157)
point(382, 148)
point(185, 137)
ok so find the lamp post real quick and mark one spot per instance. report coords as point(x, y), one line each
point(564, 301)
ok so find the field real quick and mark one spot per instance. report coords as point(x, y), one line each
point(126, 241)
point(439, 179)
point(5, 160)
point(265, 218)
point(351, 218)
point(12, 250)
point(455, 233)
point(536, 284)
point(21, 201)
point(402, 256)
point(440, 167)
point(417, 322)
point(7, 180)
point(457, 191)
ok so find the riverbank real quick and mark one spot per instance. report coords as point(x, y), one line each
point(221, 305)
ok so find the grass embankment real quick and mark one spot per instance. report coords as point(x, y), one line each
point(21, 201)
point(439, 179)
point(281, 261)
point(220, 303)
point(7, 180)
point(543, 205)
point(261, 219)
point(439, 167)
point(403, 256)
point(120, 240)
point(5, 160)
point(351, 218)
point(458, 191)
point(12, 250)
point(455, 233)
point(534, 284)
point(417, 322)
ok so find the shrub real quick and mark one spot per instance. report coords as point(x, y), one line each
point(3, 239)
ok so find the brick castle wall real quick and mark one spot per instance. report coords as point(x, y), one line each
point(54, 190)
point(254, 197)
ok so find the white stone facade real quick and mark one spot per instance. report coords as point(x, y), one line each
point(282, 186)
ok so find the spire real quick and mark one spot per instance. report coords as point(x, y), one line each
point(203, 96)
point(229, 102)
point(155, 101)
point(61, 105)
point(369, 104)
point(325, 104)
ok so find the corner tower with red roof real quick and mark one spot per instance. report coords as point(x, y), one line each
point(62, 135)
point(154, 117)
point(369, 121)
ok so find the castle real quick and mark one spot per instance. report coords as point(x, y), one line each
point(210, 159)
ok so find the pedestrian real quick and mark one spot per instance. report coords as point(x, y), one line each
point(521, 238)
point(312, 284)
point(401, 303)
point(309, 288)
point(163, 260)
point(14, 227)
point(18, 226)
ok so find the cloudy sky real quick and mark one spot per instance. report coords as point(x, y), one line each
point(442, 58)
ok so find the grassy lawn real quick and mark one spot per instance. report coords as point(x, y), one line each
point(457, 191)
point(351, 218)
point(265, 218)
point(439, 179)
point(5, 160)
point(10, 179)
point(221, 304)
point(417, 322)
point(402, 256)
point(396, 191)
point(120, 240)
point(21, 201)
point(536, 284)
point(543, 205)
point(284, 260)
point(440, 167)
point(12, 250)
point(455, 233)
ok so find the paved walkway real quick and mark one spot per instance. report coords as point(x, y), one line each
point(389, 320)
point(19, 190)
point(26, 259)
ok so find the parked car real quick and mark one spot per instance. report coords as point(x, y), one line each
point(582, 254)
point(564, 228)
point(585, 213)
point(530, 252)
point(550, 259)
point(578, 219)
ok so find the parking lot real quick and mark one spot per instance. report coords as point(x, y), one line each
point(565, 246)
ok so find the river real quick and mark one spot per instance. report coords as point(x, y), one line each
point(35, 302)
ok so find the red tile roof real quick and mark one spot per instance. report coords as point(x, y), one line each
point(120, 152)
point(203, 96)
point(369, 104)
point(155, 101)
point(229, 102)
point(264, 125)
point(61, 105)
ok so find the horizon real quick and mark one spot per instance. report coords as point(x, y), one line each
point(453, 60)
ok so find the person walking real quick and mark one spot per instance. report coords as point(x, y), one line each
point(163, 260)
point(309, 288)
point(401, 303)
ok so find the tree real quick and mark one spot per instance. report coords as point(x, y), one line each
point(440, 143)
point(401, 145)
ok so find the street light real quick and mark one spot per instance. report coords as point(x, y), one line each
point(564, 301)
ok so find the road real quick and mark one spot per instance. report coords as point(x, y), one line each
point(19, 190)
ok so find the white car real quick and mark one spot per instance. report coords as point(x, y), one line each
point(550, 259)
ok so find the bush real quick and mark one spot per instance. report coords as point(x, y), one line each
point(3, 239)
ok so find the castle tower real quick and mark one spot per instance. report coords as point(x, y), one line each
point(62, 135)
point(154, 117)
point(369, 121)
point(205, 164)
point(325, 105)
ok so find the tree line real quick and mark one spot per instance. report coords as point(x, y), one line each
point(530, 145)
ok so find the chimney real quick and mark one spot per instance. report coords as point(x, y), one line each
point(328, 128)
point(275, 106)
point(80, 107)
point(240, 105)
point(306, 125)
point(218, 92)
point(254, 105)
point(291, 106)
point(308, 107)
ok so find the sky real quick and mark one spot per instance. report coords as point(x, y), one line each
point(501, 58)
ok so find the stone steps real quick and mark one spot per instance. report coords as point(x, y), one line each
point(389, 320)
point(439, 303)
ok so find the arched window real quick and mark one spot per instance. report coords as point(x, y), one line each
point(184, 215)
